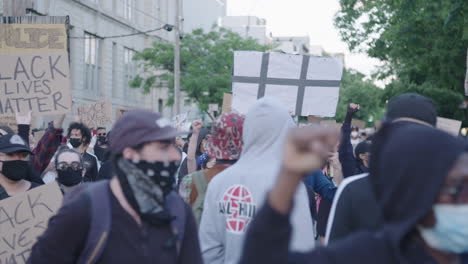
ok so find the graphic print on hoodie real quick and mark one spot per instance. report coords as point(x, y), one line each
point(235, 194)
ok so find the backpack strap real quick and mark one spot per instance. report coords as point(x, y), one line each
point(176, 207)
point(100, 224)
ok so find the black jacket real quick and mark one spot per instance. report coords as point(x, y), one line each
point(90, 163)
point(402, 161)
point(355, 209)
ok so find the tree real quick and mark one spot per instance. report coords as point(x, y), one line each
point(354, 89)
point(421, 42)
point(206, 64)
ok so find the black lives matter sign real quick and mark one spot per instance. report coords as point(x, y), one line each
point(34, 73)
point(23, 218)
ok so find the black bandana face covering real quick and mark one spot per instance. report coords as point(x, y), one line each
point(145, 186)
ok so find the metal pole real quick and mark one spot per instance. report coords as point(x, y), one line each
point(177, 59)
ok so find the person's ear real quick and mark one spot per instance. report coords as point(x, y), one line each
point(429, 220)
point(130, 154)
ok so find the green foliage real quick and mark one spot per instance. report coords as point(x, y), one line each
point(206, 65)
point(420, 41)
point(447, 102)
point(354, 89)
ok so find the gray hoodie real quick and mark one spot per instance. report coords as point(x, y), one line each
point(235, 194)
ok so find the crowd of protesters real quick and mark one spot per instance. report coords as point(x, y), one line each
point(250, 189)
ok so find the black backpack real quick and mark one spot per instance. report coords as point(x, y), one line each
point(101, 220)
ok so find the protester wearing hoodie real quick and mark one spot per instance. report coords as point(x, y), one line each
point(354, 207)
point(234, 195)
point(419, 227)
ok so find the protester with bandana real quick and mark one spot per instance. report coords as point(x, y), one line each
point(142, 203)
point(225, 147)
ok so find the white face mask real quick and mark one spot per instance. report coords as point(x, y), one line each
point(354, 134)
point(450, 234)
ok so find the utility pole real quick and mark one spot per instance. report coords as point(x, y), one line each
point(177, 59)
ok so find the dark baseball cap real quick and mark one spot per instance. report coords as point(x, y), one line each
point(140, 126)
point(361, 148)
point(12, 143)
point(412, 105)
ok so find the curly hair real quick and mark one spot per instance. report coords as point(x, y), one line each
point(85, 132)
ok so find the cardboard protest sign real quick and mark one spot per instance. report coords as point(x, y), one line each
point(23, 218)
point(227, 103)
point(330, 123)
point(96, 115)
point(9, 121)
point(120, 112)
point(358, 123)
point(38, 135)
point(34, 69)
point(449, 125)
point(306, 85)
point(377, 124)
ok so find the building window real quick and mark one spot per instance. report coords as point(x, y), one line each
point(92, 65)
point(1, 7)
point(128, 9)
point(115, 83)
point(160, 105)
point(129, 72)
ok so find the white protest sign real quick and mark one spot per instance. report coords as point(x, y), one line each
point(180, 121)
point(96, 115)
point(307, 85)
point(449, 125)
point(23, 218)
point(34, 69)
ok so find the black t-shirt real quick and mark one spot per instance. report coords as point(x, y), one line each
point(4, 194)
point(128, 242)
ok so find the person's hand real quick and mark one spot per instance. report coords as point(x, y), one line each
point(93, 141)
point(58, 122)
point(23, 119)
point(334, 160)
point(353, 108)
point(307, 149)
point(197, 125)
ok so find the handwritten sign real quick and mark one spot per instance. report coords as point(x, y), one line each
point(9, 121)
point(23, 218)
point(96, 115)
point(449, 125)
point(34, 73)
point(314, 119)
point(180, 121)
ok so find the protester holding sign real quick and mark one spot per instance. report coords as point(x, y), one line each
point(134, 218)
point(420, 227)
point(14, 166)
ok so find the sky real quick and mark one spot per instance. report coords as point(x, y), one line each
point(304, 17)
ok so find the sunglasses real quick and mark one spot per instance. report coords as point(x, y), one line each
point(63, 166)
point(102, 134)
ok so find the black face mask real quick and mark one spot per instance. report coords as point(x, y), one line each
point(161, 173)
point(70, 177)
point(16, 170)
point(102, 139)
point(75, 142)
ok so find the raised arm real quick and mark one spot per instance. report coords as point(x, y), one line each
point(192, 148)
point(346, 155)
